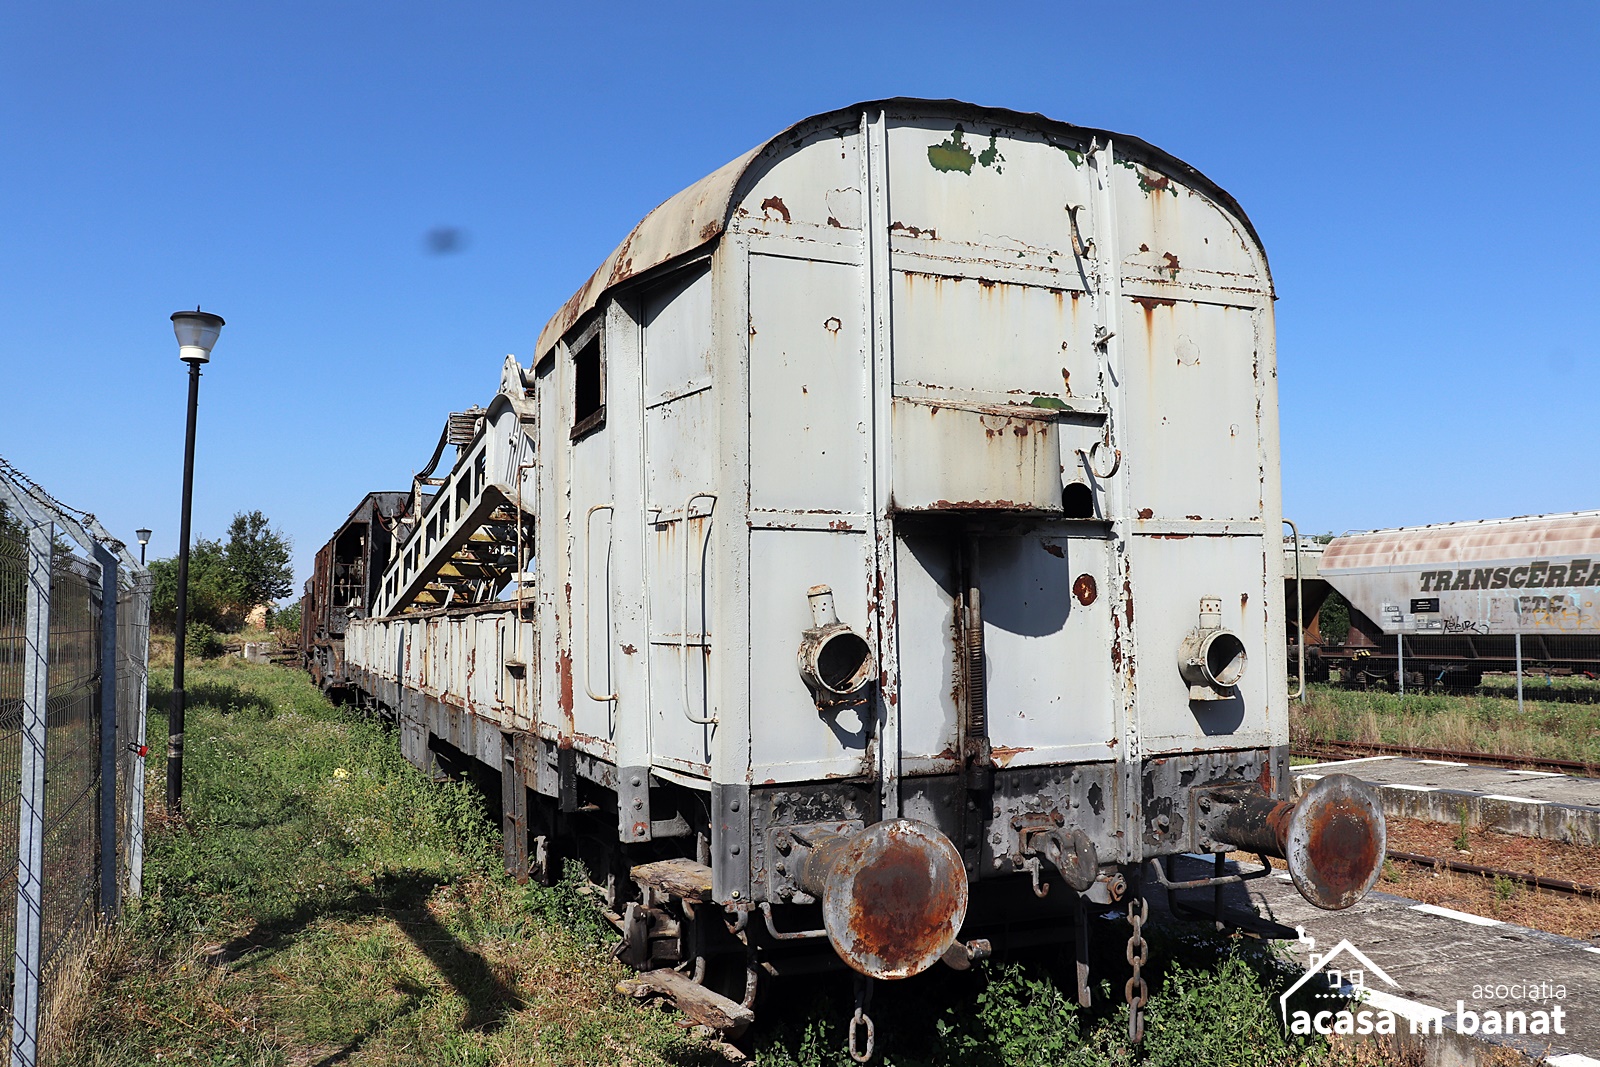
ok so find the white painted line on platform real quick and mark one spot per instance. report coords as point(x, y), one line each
point(1340, 762)
point(1411, 788)
point(1589, 948)
point(1538, 774)
point(1406, 1009)
point(1514, 800)
point(1311, 777)
point(1442, 763)
point(1573, 1059)
point(1447, 913)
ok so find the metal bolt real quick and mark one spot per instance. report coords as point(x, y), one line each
point(636, 782)
point(1205, 803)
point(734, 806)
point(780, 868)
point(734, 894)
point(1162, 822)
point(638, 804)
point(734, 850)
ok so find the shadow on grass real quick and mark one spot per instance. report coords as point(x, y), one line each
point(402, 898)
point(223, 696)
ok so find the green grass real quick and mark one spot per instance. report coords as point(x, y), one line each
point(324, 903)
point(1561, 721)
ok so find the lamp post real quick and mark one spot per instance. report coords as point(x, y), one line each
point(197, 331)
point(144, 539)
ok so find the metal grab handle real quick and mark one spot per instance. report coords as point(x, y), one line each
point(683, 638)
point(1299, 611)
point(588, 686)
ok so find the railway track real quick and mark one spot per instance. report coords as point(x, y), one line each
point(1324, 748)
point(1539, 881)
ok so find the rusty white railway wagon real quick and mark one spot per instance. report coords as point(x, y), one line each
point(894, 521)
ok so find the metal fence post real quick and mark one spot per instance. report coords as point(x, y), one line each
point(30, 827)
point(1400, 650)
point(108, 732)
point(1519, 663)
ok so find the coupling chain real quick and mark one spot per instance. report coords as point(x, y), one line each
point(1136, 992)
point(861, 1020)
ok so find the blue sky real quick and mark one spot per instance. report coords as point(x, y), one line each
point(1424, 179)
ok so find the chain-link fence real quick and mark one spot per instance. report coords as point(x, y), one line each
point(74, 634)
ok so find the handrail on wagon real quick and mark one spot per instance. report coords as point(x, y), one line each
point(588, 659)
point(1299, 611)
point(683, 637)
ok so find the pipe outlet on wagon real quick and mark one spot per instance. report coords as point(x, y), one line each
point(835, 662)
point(1211, 658)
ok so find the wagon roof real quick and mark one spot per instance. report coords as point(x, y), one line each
point(697, 216)
point(1525, 537)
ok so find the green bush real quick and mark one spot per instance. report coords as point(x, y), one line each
point(202, 642)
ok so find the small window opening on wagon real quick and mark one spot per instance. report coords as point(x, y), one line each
point(588, 376)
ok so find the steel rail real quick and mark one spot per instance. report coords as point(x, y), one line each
point(1537, 880)
point(1565, 766)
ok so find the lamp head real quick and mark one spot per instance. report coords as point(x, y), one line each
point(197, 331)
point(143, 536)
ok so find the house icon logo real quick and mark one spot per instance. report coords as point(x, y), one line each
point(1335, 984)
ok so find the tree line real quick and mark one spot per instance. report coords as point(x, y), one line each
point(227, 578)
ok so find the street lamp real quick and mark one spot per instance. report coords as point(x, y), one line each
point(144, 539)
point(197, 331)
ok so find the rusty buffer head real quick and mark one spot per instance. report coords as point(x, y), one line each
point(1336, 842)
point(895, 899)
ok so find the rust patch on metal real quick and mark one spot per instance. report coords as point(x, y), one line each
point(1003, 754)
point(916, 231)
point(1127, 600)
point(1055, 550)
point(1066, 377)
point(1144, 247)
point(832, 324)
point(1085, 589)
point(1172, 261)
point(835, 223)
point(628, 650)
point(564, 673)
point(773, 203)
point(1145, 513)
point(1342, 850)
point(897, 910)
point(1150, 303)
point(1264, 779)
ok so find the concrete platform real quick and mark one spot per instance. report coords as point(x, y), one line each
point(1436, 957)
point(1559, 807)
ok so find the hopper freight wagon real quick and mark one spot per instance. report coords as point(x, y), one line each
point(877, 559)
point(1453, 597)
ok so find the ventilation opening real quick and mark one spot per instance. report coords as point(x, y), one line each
point(589, 402)
point(1225, 658)
point(1077, 501)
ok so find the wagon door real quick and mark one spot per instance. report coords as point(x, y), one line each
point(679, 488)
